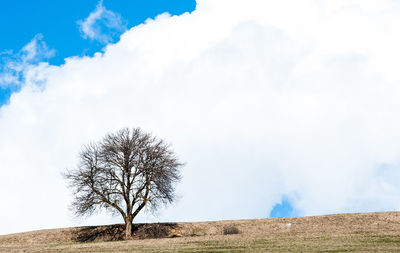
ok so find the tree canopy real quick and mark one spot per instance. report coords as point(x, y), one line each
point(123, 173)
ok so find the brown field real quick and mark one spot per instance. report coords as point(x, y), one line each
point(369, 232)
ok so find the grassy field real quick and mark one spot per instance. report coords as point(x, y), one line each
point(370, 232)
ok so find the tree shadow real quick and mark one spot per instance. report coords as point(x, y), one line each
point(100, 233)
point(117, 232)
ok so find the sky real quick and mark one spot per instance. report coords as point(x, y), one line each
point(277, 108)
point(57, 23)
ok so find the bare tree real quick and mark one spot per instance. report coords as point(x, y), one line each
point(124, 173)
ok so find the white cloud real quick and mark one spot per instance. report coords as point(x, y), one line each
point(6, 52)
point(15, 68)
point(101, 25)
point(264, 102)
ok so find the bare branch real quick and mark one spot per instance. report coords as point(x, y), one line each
point(126, 171)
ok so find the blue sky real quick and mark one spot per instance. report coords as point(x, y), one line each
point(283, 209)
point(57, 22)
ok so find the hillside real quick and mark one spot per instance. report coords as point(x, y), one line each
point(369, 232)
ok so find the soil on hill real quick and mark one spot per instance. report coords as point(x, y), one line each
point(331, 233)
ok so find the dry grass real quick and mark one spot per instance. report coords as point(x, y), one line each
point(371, 232)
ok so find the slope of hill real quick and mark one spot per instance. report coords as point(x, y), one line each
point(367, 232)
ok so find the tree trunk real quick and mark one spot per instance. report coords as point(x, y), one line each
point(128, 228)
